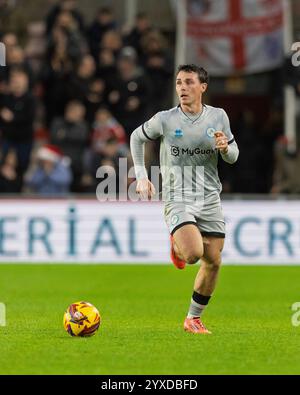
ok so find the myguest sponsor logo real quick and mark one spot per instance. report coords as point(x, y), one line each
point(176, 151)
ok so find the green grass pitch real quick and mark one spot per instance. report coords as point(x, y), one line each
point(142, 309)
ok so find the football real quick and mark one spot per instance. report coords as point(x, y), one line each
point(81, 319)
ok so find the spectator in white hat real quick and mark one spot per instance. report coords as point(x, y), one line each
point(52, 175)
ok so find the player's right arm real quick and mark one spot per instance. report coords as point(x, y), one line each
point(149, 131)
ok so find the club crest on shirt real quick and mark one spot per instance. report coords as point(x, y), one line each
point(210, 132)
point(178, 133)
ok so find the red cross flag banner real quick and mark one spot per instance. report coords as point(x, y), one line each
point(234, 36)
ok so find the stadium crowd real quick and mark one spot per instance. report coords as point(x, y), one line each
point(72, 94)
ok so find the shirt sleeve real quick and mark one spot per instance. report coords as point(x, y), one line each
point(226, 127)
point(233, 150)
point(150, 130)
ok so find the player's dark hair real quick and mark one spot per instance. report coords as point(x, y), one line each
point(192, 68)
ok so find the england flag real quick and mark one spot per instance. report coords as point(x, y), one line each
point(234, 36)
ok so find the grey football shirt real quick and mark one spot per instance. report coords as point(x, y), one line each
point(188, 156)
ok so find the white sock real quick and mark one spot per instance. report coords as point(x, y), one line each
point(195, 309)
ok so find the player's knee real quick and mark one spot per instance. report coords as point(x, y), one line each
point(193, 256)
point(213, 263)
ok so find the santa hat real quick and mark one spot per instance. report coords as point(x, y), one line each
point(50, 152)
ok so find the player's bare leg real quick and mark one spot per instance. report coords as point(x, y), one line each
point(207, 276)
point(205, 284)
point(188, 243)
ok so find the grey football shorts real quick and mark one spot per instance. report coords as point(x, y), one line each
point(209, 220)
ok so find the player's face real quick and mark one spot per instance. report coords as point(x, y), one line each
point(188, 87)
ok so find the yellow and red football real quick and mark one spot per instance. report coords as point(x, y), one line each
point(81, 319)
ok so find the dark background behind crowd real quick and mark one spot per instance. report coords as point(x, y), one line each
point(73, 91)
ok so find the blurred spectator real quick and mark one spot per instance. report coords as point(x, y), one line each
point(79, 84)
point(56, 73)
point(141, 28)
point(61, 6)
point(108, 144)
point(10, 178)
point(70, 134)
point(269, 132)
point(112, 41)
point(107, 65)
point(103, 22)
point(106, 128)
point(36, 45)
point(86, 87)
point(129, 92)
point(154, 42)
point(67, 36)
point(242, 177)
point(160, 74)
point(17, 111)
point(10, 40)
point(286, 173)
point(110, 154)
point(158, 64)
point(52, 174)
point(16, 59)
point(95, 98)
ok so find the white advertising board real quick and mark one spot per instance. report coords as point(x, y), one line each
point(87, 231)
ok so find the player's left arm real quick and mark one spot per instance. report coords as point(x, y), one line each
point(225, 141)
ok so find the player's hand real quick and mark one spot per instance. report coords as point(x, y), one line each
point(221, 142)
point(145, 188)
